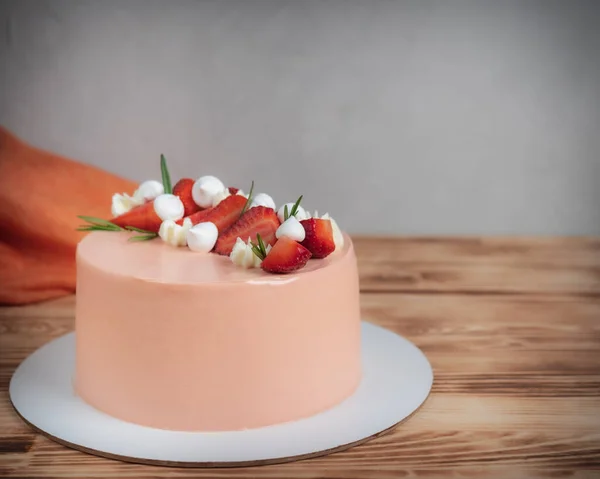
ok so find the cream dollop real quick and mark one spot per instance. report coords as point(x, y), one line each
point(168, 207)
point(243, 256)
point(292, 229)
point(174, 234)
point(146, 191)
point(300, 212)
point(122, 203)
point(202, 237)
point(205, 189)
point(262, 199)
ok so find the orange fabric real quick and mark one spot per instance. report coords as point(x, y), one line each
point(41, 195)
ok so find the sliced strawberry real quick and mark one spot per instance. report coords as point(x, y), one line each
point(183, 189)
point(319, 237)
point(142, 216)
point(224, 214)
point(197, 217)
point(233, 190)
point(286, 256)
point(258, 220)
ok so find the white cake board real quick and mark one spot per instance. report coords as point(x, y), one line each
point(397, 378)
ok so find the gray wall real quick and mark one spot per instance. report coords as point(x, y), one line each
point(407, 117)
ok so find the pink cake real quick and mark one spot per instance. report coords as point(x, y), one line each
point(182, 338)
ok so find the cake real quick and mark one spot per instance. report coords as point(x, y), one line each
point(214, 317)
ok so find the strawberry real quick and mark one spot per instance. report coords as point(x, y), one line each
point(224, 214)
point(142, 216)
point(197, 217)
point(183, 189)
point(233, 190)
point(319, 237)
point(258, 220)
point(286, 256)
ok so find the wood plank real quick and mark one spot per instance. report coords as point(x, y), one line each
point(490, 265)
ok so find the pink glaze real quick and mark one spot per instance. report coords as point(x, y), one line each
point(173, 339)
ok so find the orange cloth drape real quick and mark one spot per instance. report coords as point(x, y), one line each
point(41, 195)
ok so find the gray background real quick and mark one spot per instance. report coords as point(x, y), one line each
point(406, 117)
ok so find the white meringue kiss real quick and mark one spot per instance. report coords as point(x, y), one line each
point(292, 229)
point(168, 207)
point(205, 189)
point(220, 196)
point(300, 212)
point(202, 237)
point(148, 190)
point(262, 199)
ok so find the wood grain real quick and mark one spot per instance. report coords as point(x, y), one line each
point(480, 265)
point(512, 329)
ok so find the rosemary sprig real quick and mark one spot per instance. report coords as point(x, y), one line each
point(259, 249)
point(287, 214)
point(248, 200)
point(146, 237)
point(166, 177)
point(99, 224)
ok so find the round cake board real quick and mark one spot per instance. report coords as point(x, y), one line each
point(397, 378)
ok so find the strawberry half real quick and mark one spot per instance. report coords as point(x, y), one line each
point(286, 256)
point(319, 237)
point(183, 189)
point(258, 220)
point(197, 217)
point(225, 214)
point(142, 216)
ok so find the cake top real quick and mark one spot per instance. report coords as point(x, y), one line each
point(197, 217)
point(156, 262)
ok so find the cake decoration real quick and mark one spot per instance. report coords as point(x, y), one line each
point(285, 257)
point(243, 255)
point(202, 237)
point(207, 216)
point(292, 229)
point(174, 234)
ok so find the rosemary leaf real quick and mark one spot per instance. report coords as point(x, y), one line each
point(143, 237)
point(98, 221)
point(166, 177)
point(249, 200)
point(295, 207)
point(286, 212)
point(138, 230)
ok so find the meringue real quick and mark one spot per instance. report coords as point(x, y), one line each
point(262, 199)
point(300, 212)
point(220, 196)
point(174, 234)
point(148, 190)
point(292, 229)
point(168, 207)
point(202, 237)
point(205, 189)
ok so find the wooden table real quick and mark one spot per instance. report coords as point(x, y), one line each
point(511, 327)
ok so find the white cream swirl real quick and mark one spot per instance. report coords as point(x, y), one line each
point(243, 256)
